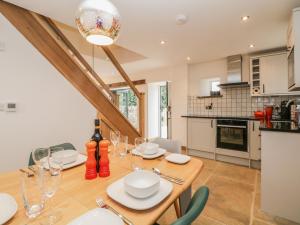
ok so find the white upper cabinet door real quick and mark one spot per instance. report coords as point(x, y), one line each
point(274, 74)
point(202, 134)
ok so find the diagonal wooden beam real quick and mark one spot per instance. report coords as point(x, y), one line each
point(38, 36)
point(78, 55)
point(118, 66)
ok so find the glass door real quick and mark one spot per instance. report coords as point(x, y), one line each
point(163, 93)
point(128, 105)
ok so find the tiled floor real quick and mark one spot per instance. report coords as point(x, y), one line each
point(234, 197)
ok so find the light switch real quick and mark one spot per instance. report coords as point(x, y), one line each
point(11, 107)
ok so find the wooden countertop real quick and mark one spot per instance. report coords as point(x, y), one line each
point(77, 195)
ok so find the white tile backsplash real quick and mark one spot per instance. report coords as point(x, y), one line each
point(234, 102)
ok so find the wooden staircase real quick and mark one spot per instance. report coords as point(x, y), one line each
point(46, 37)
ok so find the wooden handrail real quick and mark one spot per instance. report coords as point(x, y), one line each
point(113, 59)
point(78, 55)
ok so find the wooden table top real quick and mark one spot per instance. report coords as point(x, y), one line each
point(77, 195)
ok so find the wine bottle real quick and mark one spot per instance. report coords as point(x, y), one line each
point(97, 137)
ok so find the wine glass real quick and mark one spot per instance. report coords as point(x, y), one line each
point(137, 154)
point(123, 146)
point(114, 138)
point(51, 178)
point(32, 195)
point(138, 142)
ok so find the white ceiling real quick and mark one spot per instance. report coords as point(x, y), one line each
point(214, 29)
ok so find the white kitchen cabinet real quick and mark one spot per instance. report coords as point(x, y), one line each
point(280, 178)
point(255, 140)
point(201, 134)
point(269, 74)
point(293, 45)
point(274, 74)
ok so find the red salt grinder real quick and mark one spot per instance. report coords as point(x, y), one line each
point(104, 161)
point(90, 164)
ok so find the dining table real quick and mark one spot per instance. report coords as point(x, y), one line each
point(76, 195)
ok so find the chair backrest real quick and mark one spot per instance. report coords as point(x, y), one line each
point(65, 146)
point(195, 207)
point(168, 144)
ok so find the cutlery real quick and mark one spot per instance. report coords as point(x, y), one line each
point(100, 202)
point(172, 179)
point(27, 173)
point(32, 169)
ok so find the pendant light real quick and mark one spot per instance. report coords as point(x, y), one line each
point(98, 21)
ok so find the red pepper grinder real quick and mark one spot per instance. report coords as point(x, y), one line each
point(104, 161)
point(90, 164)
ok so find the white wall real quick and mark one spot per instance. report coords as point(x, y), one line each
point(153, 111)
point(50, 110)
point(200, 75)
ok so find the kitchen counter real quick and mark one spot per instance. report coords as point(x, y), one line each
point(286, 126)
point(221, 117)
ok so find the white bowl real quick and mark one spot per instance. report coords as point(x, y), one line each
point(148, 148)
point(141, 184)
point(66, 156)
point(8, 207)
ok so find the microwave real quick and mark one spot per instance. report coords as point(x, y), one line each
point(291, 69)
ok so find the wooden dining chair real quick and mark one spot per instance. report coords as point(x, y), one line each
point(195, 207)
point(170, 145)
point(65, 146)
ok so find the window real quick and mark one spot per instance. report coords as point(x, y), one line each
point(214, 85)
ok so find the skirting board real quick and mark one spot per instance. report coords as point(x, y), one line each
point(256, 164)
point(207, 155)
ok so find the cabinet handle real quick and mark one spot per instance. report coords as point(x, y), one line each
point(263, 88)
point(252, 126)
point(259, 149)
point(211, 124)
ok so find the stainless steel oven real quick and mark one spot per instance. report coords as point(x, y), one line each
point(232, 134)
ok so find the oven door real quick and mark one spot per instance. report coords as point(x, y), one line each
point(232, 137)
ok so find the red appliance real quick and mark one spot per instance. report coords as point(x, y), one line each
point(268, 112)
point(259, 115)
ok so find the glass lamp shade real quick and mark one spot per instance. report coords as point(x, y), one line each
point(98, 21)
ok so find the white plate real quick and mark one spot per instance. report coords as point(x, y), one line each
point(8, 207)
point(80, 160)
point(116, 192)
point(178, 158)
point(98, 216)
point(160, 152)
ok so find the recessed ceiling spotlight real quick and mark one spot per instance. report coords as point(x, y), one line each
point(188, 58)
point(245, 18)
point(162, 42)
point(251, 46)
